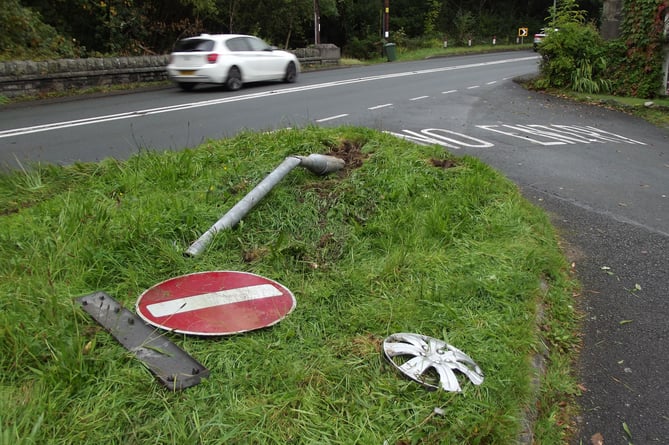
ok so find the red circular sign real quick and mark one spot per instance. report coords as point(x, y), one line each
point(215, 303)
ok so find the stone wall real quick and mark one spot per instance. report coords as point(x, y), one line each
point(29, 78)
point(323, 54)
point(20, 78)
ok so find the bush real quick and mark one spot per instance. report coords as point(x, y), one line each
point(574, 54)
point(364, 49)
point(574, 57)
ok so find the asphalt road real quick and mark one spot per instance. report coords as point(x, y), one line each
point(602, 175)
point(118, 126)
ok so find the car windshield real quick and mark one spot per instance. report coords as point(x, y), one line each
point(191, 45)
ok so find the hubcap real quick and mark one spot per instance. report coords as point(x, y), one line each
point(430, 362)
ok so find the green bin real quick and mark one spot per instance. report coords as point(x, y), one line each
point(390, 51)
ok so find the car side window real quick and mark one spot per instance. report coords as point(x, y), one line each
point(238, 44)
point(257, 44)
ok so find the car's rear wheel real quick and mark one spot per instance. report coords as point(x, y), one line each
point(187, 86)
point(234, 80)
point(291, 73)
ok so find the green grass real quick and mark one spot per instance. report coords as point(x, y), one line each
point(657, 114)
point(428, 53)
point(394, 245)
point(406, 55)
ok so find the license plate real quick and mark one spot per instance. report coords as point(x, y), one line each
point(187, 72)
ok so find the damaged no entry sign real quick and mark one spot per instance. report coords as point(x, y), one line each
point(215, 303)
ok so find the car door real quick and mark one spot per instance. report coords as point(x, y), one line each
point(264, 63)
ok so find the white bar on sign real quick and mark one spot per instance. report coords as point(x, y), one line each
point(213, 299)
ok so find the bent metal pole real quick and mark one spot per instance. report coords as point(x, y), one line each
point(315, 163)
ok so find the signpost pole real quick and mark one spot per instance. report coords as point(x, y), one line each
point(318, 164)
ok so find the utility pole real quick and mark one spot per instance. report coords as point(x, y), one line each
point(317, 23)
point(386, 19)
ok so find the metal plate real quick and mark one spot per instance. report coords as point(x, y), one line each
point(429, 361)
point(171, 365)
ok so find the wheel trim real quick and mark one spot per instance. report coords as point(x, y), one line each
point(416, 356)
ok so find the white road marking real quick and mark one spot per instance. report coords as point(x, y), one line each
point(380, 106)
point(558, 134)
point(442, 137)
point(212, 299)
point(473, 87)
point(418, 98)
point(492, 82)
point(555, 135)
point(449, 91)
point(243, 97)
point(325, 119)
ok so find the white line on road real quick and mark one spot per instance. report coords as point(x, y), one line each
point(492, 82)
point(473, 87)
point(243, 97)
point(449, 91)
point(325, 119)
point(418, 98)
point(380, 106)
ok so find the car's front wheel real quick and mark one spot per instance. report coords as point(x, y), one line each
point(234, 80)
point(291, 73)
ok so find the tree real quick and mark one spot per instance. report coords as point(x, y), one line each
point(464, 23)
point(26, 36)
point(432, 17)
point(152, 26)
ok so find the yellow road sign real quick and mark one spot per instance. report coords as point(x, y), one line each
point(523, 32)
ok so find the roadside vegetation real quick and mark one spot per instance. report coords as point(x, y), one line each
point(655, 111)
point(81, 28)
point(407, 238)
point(624, 74)
point(576, 58)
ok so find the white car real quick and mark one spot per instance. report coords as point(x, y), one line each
point(539, 37)
point(230, 60)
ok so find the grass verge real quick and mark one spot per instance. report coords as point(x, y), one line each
point(655, 111)
point(406, 239)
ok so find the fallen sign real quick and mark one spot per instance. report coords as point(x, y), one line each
point(315, 163)
point(169, 363)
point(215, 303)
